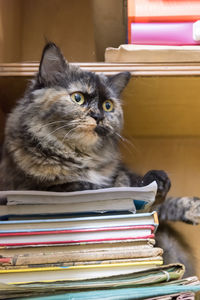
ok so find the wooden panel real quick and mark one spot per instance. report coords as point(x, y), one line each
point(191, 235)
point(11, 89)
point(2, 124)
point(10, 30)
point(162, 106)
point(67, 23)
point(109, 25)
point(26, 24)
point(179, 157)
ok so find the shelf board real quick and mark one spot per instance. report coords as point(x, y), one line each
point(136, 69)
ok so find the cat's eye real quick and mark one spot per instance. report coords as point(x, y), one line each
point(78, 98)
point(108, 106)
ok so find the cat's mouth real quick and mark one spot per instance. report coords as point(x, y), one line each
point(92, 127)
point(100, 130)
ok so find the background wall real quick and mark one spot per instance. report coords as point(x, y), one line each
point(109, 25)
point(67, 23)
point(81, 28)
point(10, 30)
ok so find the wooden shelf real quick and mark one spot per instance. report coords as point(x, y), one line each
point(150, 69)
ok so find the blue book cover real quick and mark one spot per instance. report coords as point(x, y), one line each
point(122, 294)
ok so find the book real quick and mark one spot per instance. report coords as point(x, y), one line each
point(127, 293)
point(124, 219)
point(84, 246)
point(152, 54)
point(147, 193)
point(165, 33)
point(77, 272)
point(88, 263)
point(136, 279)
point(180, 296)
point(163, 11)
point(109, 199)
point(77, 236)
point(74, 256)
point(82, 252)
point(92, 244)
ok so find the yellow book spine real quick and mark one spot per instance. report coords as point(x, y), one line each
point(142, 263)
point(155, 215)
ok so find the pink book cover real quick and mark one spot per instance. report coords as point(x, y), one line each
point(162, 11)
point(165, 33)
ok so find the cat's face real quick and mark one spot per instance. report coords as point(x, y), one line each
point(76, 106)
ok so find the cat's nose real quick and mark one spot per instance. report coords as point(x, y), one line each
point(97, 116)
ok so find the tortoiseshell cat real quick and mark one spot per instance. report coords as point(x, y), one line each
point(64, 134)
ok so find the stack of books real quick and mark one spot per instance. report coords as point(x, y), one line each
point(164, 22)
point(87, 245)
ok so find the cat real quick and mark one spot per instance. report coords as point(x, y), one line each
point(64, 134)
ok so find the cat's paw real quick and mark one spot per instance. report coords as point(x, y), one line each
point(162, 180)
point(192, 212)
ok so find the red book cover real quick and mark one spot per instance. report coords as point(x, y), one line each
point(55, 231)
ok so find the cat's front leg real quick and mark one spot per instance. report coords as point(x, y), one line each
point(74, 186)
point(185, 209)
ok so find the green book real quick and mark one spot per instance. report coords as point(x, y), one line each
point(121, 294)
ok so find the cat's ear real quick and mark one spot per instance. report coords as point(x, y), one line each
point(52, 63)
point(119, 81)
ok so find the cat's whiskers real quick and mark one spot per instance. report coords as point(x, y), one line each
point(81, 118)
point(126, 143)
point(120, 136)
point(133, 146)
point(49, 134)
point(55, 122)
point(73, 122)
point(65, 136)
point(87, 112)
